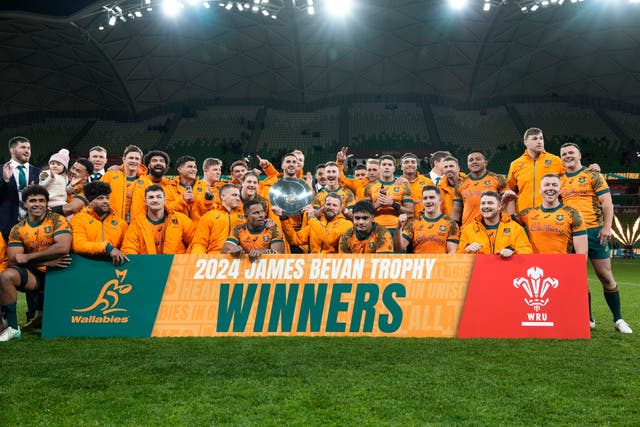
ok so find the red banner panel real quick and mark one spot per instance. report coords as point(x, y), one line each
point(542, 296)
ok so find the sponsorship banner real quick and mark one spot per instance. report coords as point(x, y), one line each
point(392, 295)
point(534, 296)
point(94, 298)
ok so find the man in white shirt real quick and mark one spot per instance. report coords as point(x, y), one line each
point(97, 156)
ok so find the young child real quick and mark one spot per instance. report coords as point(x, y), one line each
point(55, 179)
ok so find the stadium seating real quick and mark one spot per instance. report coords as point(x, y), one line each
point(115, 136)
point(315, 133)
point(491, 131)
point(46, 137)
point(379, 128)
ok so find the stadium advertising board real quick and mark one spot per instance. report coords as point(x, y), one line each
point(333, 295)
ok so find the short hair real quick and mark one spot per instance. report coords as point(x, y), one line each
point(211, 161)
point(360, 168)
point(290, 154)
point(153, 187)
point(387, 157)
point(331, 163)
point(238, 163)
point(17, 140)
point(155, 153)
point(35, 190)
point(98, 148)
point(479, 152)
point(319, 166)
point(250, 203)
point(532, 131)
point(491, 193)
point(86, 163)
point(334, 196)
point(373, 161)
point(95, 189)
point(184, 159)
point(550, 175)
point(250, 173)
point(570, 144)
point(408, 156)
point(364, 206)
point(431, 188)
point(228, 187)
point(132, 149)
point(437, 156)
point(450, 159)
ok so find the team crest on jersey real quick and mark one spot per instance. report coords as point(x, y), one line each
point(91, 221)
point(559, 217)
point(372, 245)
point(140, 182)
point(582, 179)
point(487, 182)
point(174, 221)
point(47, 229)
point(547, 162)
point(199, 190)
point(443, 228)
point(507, 230)
point(265, 239)
point(114, 222)
point(396, 189)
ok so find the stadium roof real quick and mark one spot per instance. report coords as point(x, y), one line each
point(53, 62)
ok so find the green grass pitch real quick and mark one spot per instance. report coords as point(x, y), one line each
point(331, 381)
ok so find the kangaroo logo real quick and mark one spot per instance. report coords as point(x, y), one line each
point(108, 298)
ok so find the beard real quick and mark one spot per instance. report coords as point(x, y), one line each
point(157, 173)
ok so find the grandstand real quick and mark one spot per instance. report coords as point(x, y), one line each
point(214, 132)
point(378, 127)
point(114, 136)
point(314, 132)
point(47, 136)
point(490, 130)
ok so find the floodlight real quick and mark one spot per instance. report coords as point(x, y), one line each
point(229, 6)
point(101, 28)
point(138, 14)
point(206, 4)
point(457, 4)
point(311, 10)
point(112, 21)
point(486, 7)
point(265, 12)
point(339, 8)
point(172, 7)
point(534, 7)
point(545, 3)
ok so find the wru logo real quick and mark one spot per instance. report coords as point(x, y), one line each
point(534, 288)
point(108, 298)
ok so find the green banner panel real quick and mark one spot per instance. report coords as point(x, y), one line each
point(95, 298)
